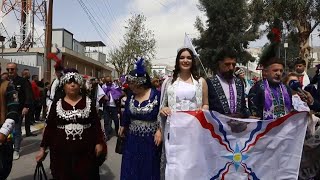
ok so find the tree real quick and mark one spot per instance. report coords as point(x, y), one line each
point(138, 42)
point(228, 24)
point(300, 16)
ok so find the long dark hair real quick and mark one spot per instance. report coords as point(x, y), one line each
point(193, 69)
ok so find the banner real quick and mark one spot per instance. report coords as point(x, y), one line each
point(207, 145)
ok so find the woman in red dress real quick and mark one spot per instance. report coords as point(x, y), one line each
point(73, 134)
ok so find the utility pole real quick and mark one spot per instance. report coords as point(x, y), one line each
point(47, 62)
point(32, 30)
point(23, 18)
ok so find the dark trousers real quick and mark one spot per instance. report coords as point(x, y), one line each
point(6, 157)
point(109, 114)
point(37, 110)
point(29, 119)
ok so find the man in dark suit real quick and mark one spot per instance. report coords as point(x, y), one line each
point(25, 99)
point(226, 92)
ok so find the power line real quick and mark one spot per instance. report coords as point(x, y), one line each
point(162, 4)
point(110, 12)
point(94, 22)
point(105, 23)
point(91, 20)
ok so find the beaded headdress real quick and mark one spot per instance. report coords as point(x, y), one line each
point(69, 76)
point(139, 73)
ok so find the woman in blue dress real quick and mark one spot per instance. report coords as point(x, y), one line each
point(139, 125)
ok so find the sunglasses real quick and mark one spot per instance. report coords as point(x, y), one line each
point(10, 69)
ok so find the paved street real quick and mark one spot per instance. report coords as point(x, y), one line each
point(24, 167)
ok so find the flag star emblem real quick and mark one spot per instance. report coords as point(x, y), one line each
point(237, 157)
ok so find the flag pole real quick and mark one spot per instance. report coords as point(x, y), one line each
point(188, 43)
point(203, 67)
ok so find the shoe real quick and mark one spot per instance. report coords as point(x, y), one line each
point(30, 134)
point(16, 155)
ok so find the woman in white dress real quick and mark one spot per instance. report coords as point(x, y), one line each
point(185, 91)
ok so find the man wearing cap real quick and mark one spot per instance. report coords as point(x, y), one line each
point(9, 105)
point(270, 98)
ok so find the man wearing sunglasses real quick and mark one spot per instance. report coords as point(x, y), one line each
point(8, 116)
point(25, 98)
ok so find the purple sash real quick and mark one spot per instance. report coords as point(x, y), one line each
point(232, 99)
point(268, 112)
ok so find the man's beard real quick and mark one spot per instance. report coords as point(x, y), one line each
point(227, 75)
point(300, 72)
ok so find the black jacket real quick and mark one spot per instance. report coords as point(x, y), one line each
point(12, 104)
point(24, 92)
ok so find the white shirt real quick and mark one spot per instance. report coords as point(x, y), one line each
point(298, 104)
point(225, 87)
point(111, 103)
point(305, 80)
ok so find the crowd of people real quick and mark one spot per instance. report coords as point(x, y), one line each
point(139, 105)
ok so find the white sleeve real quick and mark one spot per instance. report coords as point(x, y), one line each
point(7, 127)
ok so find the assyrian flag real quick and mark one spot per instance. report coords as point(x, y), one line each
point(207, 145)
point(188, 43)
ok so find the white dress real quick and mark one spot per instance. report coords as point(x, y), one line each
point(185, 97)
point(178, 96)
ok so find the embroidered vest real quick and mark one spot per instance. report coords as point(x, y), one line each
point(222, 97)
point(3, 102)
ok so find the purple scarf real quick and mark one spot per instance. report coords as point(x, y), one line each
point(115, 91)
point(268, 111)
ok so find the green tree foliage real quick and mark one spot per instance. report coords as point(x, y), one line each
point(228, 24)
point(138, 42)
point(300, 17)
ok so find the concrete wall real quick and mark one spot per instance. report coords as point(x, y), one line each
point(77, 47)
point(21, 67)
point(67, 40)
point(85, 68)
point(31, 59)
point(62, 38)
point(57, 38)
point(98, 56)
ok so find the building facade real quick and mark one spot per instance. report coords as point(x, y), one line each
point(161, 71)
point(75, 54)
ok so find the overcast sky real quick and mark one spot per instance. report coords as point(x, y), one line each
point(169, 19)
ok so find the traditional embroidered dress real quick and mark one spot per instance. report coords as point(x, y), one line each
point(141, 157)
point(72, 133)
point(179, 96)
point(269, 101)
point(230, 101)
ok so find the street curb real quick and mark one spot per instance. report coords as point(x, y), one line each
point(36, 129)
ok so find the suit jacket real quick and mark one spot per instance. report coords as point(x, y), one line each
point(218, 100)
